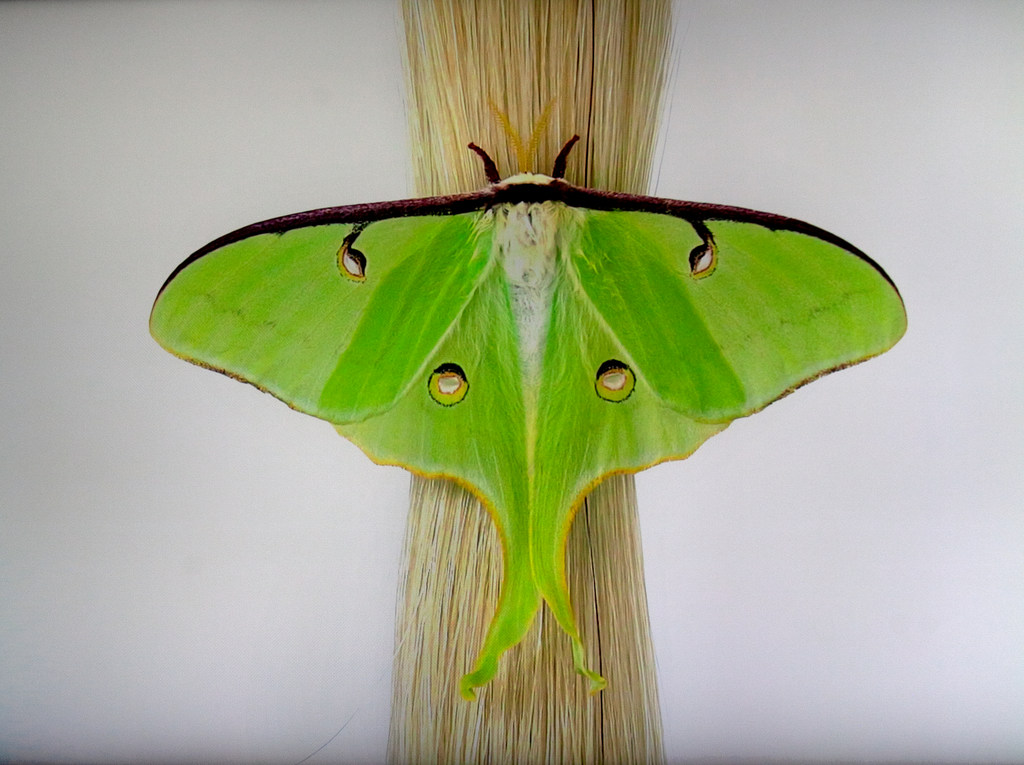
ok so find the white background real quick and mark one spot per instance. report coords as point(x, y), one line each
point(190, 570)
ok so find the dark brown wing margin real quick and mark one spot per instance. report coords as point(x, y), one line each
point(555, 190)
point(362, 213)
point(698, 213)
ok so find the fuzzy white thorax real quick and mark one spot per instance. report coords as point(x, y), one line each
point(527, 237)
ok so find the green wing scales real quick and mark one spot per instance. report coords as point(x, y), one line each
point(773, 309)
point(395, 323)
point(274, 309)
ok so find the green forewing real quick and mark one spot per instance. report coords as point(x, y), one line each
point(779, 307)
point(412, 306)
point(275, 310)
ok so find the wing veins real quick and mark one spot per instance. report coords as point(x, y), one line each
point(638, 369)
point(419, 371)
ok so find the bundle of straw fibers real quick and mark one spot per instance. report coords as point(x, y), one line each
point(519, 78)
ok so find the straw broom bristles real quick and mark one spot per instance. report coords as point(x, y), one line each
point(598, 66)
point(484, 71)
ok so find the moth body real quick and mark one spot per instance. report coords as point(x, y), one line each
point(527, 247)
point(526, 242)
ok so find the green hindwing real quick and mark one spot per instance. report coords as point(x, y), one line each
point(404, 326)
point(664, 332)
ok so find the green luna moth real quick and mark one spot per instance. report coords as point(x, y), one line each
point(527, 340)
